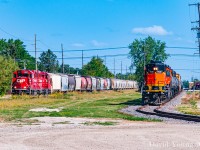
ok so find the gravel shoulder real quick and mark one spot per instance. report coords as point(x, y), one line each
point(60, 133)
point(75, 135)
point(168, 107)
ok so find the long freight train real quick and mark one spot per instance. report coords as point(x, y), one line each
point(38, 82)
point(160, 83)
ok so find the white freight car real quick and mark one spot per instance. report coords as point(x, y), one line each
point(102, 83)
point(64, 83)
point(94, 84)
point(78, 83)
point(55, 81)
point(109, 83)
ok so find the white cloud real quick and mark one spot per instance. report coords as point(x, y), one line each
point(96, 43)
point(78, 45)
point(154, 30)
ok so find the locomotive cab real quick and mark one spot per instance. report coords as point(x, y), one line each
point(160, 83)
point(21, 81)
point(30, 82)
point(157, 79)
point(154, 77)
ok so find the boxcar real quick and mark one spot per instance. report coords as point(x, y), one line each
point(105, 84)
point(102, 83)
point(89, 83)
point(55, 82)
point(94, 84)
point(71, 82)
point(78, 83)
point(83, 84)
point(113, 84)
point(109, 83)
point(98, 83)
point(64, 83)
point(135, 85)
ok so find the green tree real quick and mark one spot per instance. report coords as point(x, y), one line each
point(96, 68)
point(17, 51)
point(185, 84)
point(70, 70)
point(48, 62)
point(128, 76)
point(8, 66)
point(144, 51)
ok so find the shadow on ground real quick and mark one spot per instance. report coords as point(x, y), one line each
point(131, 102)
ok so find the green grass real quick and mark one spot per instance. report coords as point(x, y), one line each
point(189, 104)
point(106, 123)
point(93, 105)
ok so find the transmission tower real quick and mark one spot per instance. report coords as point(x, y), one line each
point(197, 27)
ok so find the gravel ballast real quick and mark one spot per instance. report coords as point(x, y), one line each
point(168, 107)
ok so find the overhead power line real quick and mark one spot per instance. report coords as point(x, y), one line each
point(13, 35)
point(112, 48)
point(180, 47)
point(95, 49)
point(118, 55)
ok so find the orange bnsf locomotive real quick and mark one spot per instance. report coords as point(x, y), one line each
point(161, 83)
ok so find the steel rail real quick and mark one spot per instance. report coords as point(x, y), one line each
point(160, 113)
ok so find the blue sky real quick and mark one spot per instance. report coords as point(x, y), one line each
point(88, 24)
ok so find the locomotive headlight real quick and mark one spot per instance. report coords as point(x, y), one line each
point(15, 87)
point(24, 87)
point(155, 68)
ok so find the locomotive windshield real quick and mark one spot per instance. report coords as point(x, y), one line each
point(155, 68)
point(23, 75)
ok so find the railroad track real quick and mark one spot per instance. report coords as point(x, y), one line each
point(156, 110)
point(160, 113)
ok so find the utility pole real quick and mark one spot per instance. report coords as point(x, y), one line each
point(144, 55)
point(35, 54)
point(24, 64)
point(121, 69)
point(105, 60)
point(82, 59)
point(197, 28)
point(62, 59)
point(126, 69)
point(114, 66)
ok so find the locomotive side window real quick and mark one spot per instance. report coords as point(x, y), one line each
point(14, 76)
point(168, 73)
point(23, 75)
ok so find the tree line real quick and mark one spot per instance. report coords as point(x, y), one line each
point(13, 56)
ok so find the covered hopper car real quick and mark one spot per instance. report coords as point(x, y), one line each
point(38, 82)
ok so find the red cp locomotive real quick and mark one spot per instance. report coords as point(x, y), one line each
point(30, 82)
